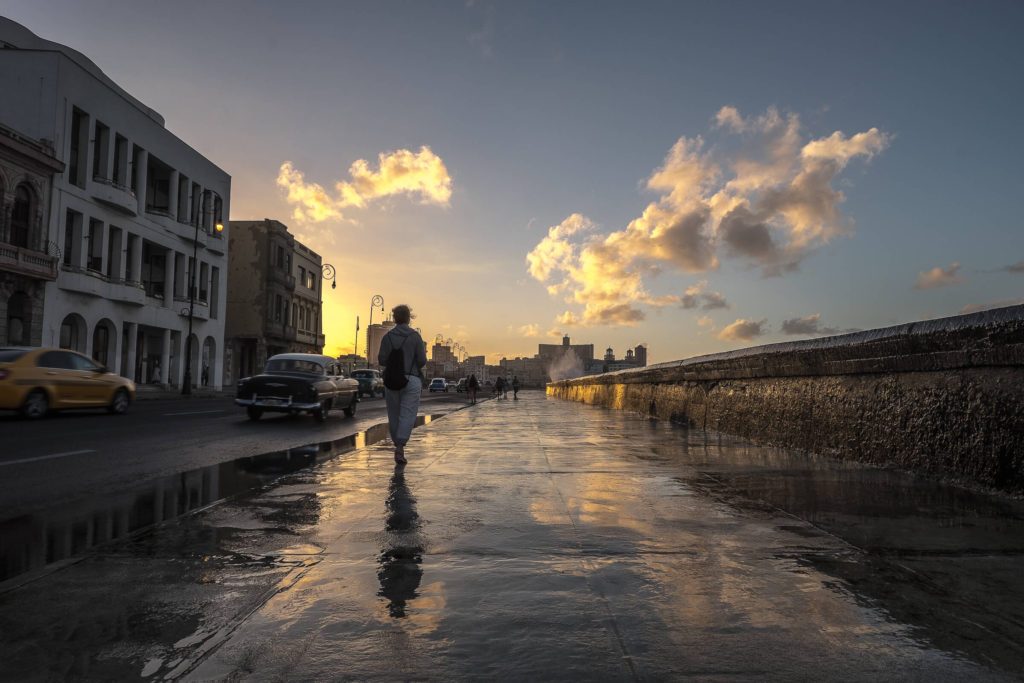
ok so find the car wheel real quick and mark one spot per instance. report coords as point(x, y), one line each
point(119, 404)
point(350, 411)
point(36, 405)
point(320, 414)
point(254, 413)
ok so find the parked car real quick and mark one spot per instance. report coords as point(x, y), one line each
point(370, 382)
point(450, 384)
point(438, 384)
point(460, 386)
point(35, 381)
point(298, 383)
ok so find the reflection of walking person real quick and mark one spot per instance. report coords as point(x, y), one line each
point(402, 400)
point(515, 388)
point(400, 572)
point(471, 387)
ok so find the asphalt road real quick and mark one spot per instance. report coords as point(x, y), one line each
point(69, 455)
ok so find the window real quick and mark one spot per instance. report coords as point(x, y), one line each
point(158, 186)
point(129, 274)
point(78, 151)
point(280, 256)
point(204, 274)
point(95, 245)
point(19, 313)
point(302, 275)
point(136, 167)
point(277, 309)
point(72, 239)
point(184, 207)
point(114, 254)
point(57, 359)
point(99, 151)
point(82, 363)
point(21, 216)
point(120, 160)
point(214, 291)
point(100, 344)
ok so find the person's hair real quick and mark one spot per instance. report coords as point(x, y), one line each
point(402, 314)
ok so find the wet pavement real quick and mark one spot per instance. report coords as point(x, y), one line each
point(540, 539)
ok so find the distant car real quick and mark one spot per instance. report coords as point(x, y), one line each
point(298, 383)
point(451, 384)
point(370, 382)
point(35, 381)
point(438, 384)
point(460, 386)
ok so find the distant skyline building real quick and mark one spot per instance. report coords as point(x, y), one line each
point(374, 336)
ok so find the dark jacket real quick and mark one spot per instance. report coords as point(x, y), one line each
point(412, 350)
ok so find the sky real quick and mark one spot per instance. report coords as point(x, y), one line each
point(694, 176)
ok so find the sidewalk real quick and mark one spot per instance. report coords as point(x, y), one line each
point(545, 540)
point(537, 540)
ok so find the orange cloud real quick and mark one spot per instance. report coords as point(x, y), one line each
point(402, 171)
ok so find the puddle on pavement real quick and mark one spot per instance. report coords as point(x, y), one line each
point(33, 541)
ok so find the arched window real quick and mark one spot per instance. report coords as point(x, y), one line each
point(101, 343)
point(72, 333)
point(21, 216)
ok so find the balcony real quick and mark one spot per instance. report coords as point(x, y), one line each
point(278, 331)
point(115, 195)
point(95, 284)
point(28, 262)
point(201, 311)
point(283, 277)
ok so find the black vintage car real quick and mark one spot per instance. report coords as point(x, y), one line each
point(298, 382)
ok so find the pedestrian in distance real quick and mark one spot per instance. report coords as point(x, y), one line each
point(504, 389)
point(403, 356)
point(499, 385)
point(206, 375)
point(515, 388)
point(155, 377)
point(471, 387)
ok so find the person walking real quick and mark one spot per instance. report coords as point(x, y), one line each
point(515, 388)
point(499, 385)
point(471, 386)
point(403, 403)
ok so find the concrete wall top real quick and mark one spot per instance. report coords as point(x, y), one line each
point(988, 338)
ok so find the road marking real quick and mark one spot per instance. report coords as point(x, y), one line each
point(194, 412)
point(47, 457)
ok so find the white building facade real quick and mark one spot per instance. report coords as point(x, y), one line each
point(134, 217)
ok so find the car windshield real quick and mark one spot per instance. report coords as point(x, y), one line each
point(362, 374)
point(11, 355)
point(307, 367)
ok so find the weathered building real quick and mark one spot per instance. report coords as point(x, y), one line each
point(134, 214)
point(27, 255)
point(274, 296)
point(374, 335)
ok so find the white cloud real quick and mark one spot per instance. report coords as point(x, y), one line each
point(939, 277)
point(771, 205)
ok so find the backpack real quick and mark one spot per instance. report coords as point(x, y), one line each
point(394, 369)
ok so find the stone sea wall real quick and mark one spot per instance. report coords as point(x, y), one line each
point(943, 397)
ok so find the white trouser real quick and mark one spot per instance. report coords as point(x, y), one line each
point(402, 407)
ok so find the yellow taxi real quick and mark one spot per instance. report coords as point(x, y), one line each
point(35, 381)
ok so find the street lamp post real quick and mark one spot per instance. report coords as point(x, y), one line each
point(377, 300)
point(186, 389)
